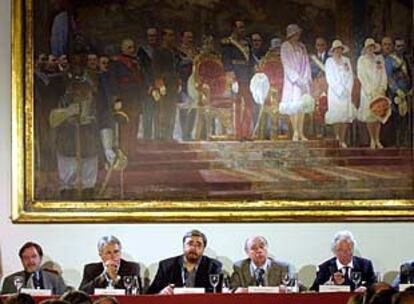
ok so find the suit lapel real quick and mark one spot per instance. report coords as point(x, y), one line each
point(274, 274)
point(356, 264)
point(177, 274)
point(47, 284)
point(247, 276)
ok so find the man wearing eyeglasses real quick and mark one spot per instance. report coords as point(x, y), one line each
point(191, 269)
point(337, 270)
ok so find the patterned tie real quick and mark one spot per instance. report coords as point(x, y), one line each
point(260, 277)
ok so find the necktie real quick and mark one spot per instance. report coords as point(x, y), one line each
point(34, 281)
point(346, 275)
point(260, 277)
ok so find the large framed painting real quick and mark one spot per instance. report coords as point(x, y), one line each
point(210, 111)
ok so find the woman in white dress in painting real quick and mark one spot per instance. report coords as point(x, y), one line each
point(373, 78)
point(297, 79)
point(341, 110)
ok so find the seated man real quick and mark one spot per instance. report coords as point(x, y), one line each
point(191, 269)
point(338, 269)
point(110, 270)
point(258, 269)
point(406, 274)
point(31, 255)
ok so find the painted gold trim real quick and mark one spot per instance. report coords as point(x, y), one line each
point(26, 210)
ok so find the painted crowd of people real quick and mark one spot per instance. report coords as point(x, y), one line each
point(86, 102)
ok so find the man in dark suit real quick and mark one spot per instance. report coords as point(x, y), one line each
point(406, 275)
point(319, 84)
point(258, 269)
point(191, 269)
point(338, 269)
point(111, 270)
point(319, 58)
point(166, 85)
point(31, 255)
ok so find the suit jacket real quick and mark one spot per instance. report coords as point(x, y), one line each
point(242, 277)
point(92, 276)
point(315, 70)
point(360, 264)
point(406, 272)
point(50, 281)
point(170, 272)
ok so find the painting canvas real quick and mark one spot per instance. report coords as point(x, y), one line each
point(205, 110)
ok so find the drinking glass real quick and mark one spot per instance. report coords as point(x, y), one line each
point(378, 277)
point(127, 284)
point(18, 282)
point(356, 278)
point(135, 285)
point(214, 280)
point(286, 279)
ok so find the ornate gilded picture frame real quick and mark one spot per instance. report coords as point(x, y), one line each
point(192, 126)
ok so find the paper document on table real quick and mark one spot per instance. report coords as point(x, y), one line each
point(109, 292)
point(334, 288)
point(36, 292)
point(188, 290)
point(263, 289)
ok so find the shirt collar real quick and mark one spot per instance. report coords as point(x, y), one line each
point(182, 262)
point(339, 265)
point(265, 266)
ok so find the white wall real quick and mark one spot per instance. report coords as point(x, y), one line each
point(71, 246)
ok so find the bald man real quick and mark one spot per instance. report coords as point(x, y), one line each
point(258, 269)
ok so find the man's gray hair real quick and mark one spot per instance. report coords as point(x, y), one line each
point(343, 235)
point(108, 239)
point(252, 238)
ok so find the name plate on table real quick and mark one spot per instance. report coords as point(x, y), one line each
point(189, 290)
point(37, 292)
point(334, 288)
point(263, 289)
point(109, 292)
point(403, 287)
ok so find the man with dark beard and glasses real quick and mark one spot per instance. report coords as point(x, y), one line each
point(191, 269)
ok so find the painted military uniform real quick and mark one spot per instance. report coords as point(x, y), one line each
point(185, 68)
point(166, 75)
point(237, 58)
point(146, 56)
point(127, 83)
point(396, 130)
point(319, 92)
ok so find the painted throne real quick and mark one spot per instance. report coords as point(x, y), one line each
point(215, 105)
